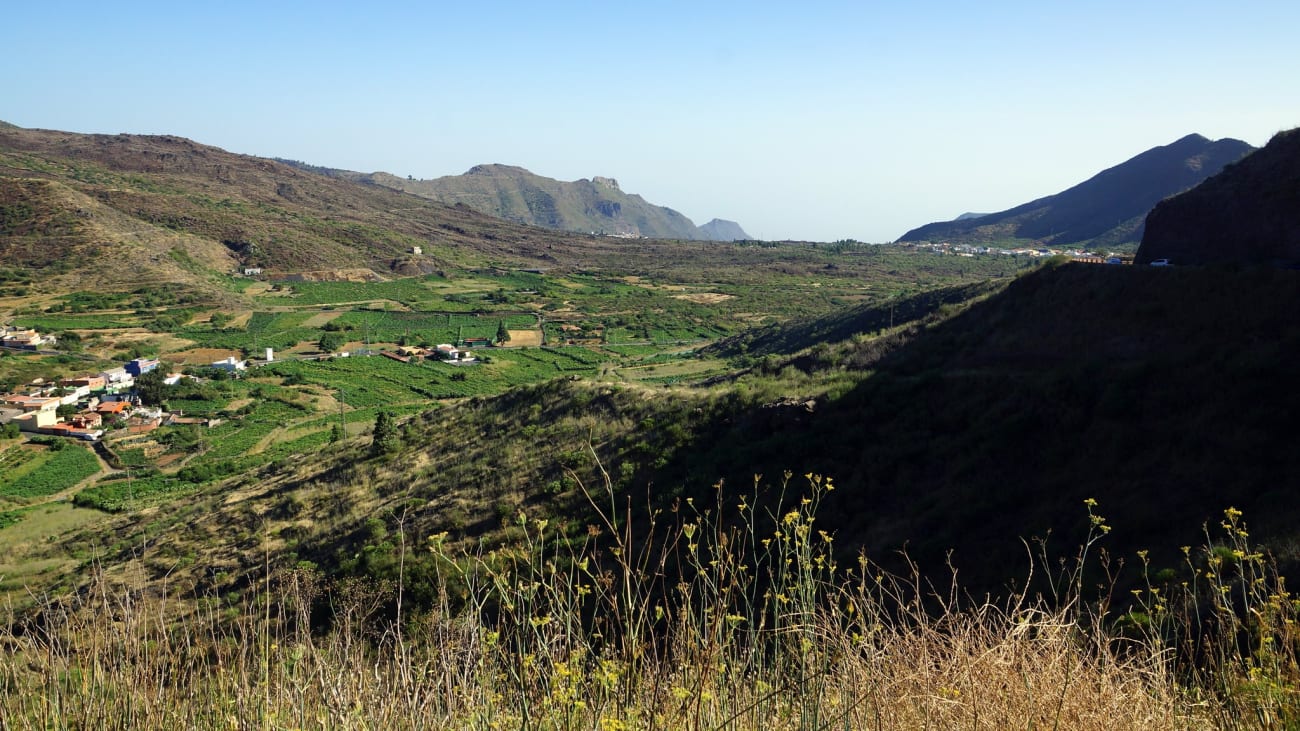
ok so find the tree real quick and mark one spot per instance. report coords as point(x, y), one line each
point(150, 387)
point(503, 335)
point(386, 437)
point(336, 434)
point(70, 341)
point(330, 342)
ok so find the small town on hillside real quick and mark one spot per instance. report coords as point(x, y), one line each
point(83, 407)
point(971, 250)
point(86, 406)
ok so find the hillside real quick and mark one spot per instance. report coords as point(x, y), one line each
point(1247, 214)
point(1107, 210)
point(953, 437)
point(596, 206)
point(1159, 396)
point(185, 212)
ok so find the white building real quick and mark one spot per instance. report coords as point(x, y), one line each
point(230, 365)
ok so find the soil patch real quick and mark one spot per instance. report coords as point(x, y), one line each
point(201, 356)
point(525, 338)
point(336, 275)
point(704, 298)
point(320, 318)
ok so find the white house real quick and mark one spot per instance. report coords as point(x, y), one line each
point(116, 375)
point(230, 365)
point(26, 339)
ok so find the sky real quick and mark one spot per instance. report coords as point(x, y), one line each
point(799, 120)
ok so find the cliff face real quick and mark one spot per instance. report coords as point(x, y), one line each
point(512, 193)
point(1249, 213)
point(1108, 209)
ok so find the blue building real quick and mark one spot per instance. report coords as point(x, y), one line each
point(141, 366)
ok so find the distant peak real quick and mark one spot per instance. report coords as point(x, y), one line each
point(494, 169)
point(1193, 138)
point(607, 182)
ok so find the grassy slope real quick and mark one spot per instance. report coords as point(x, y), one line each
point(1158, 393)
point(1162, 394)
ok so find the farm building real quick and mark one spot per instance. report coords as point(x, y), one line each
point(230, 365)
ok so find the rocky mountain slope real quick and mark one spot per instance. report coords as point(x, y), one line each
point(1249, 213)
point(1106, 210)
point(124, 210)
point(596, 206)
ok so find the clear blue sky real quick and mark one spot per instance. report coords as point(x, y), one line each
point(809, 120)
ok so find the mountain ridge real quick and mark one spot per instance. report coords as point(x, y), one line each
point(597, 205)
point(1108, 209)
point(191, 210)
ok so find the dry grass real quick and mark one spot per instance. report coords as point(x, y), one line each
point(525, 338)
point(704, 298)
point(705, 627)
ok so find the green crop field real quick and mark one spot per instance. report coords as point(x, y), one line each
point(117, 495)
point(52, 472)
point(323, 293)
point(97, 321)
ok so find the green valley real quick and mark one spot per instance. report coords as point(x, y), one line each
point(266, 427)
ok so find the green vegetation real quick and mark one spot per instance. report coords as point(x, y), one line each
point(132, 493)
point(25, 477)
point(362, 541)
point(386, 438)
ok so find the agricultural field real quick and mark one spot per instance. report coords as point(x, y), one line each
point(27, 475)
point(640, 318)
point(278, 411)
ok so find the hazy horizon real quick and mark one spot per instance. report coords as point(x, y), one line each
point(819, 122)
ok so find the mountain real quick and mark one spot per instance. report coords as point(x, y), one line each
point(588, 206)
point(179, 211)
point(1248, 213)
point(1107, 210)
point(720, 230)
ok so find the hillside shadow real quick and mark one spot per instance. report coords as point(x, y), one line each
point(1164, 395)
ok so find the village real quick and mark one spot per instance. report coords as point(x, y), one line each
point(85, 407)
point(971, 250)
